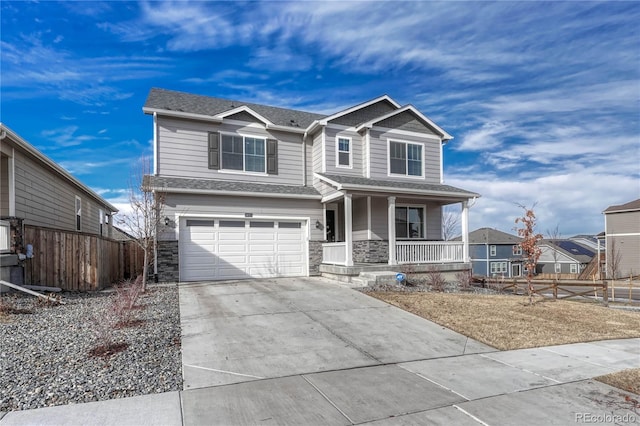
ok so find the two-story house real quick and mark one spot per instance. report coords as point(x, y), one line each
point(563, 258)
point(622, 234)
point(259, 191)
point(495, 253)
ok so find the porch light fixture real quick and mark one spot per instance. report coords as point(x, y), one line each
point(318, 224)
point(167, 221)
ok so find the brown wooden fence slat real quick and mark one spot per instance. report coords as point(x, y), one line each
point(76, 261)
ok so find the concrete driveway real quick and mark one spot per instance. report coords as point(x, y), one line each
point(308, 351)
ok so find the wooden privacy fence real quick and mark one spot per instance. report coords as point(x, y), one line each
point(79, 262)
point(568, 288)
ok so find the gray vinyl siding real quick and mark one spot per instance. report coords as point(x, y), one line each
point(379, 156)
point(359, 223)
point(183, 145)
point(332, 135)
point(316, 157)
point(365, 114)
point(4, 186)
point(309, 161)
point(405, 121)
point(43, 198)
point(194, 204)
point(379, 225)
point(623, 223)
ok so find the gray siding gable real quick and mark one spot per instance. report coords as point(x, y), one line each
point(406, 121)
point(243, 116)
point(365, 114)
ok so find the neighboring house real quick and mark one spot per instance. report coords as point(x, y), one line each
point(495, 253)
point(622, 234)
point(258, 191)
point(563, 258)
point(37, 192)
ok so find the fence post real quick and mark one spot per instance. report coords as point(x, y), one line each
point(555, 289)
point(605, 294)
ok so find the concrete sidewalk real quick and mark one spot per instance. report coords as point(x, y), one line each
point(307, 351)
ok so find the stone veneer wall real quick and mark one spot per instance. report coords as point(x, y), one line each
point(371, 251)
point(315, 257)
point(168, 261)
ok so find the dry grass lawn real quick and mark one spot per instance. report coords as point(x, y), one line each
point(628, 380)
point(506, 323)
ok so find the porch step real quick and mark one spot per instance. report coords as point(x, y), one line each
point(378, 277)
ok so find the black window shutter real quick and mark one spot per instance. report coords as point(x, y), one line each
point(214, 150)
point(272, 156)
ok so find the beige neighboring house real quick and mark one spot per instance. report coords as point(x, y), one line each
point(35, 191)
point(622, 235)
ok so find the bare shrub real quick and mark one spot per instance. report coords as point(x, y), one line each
point(464, 279)
point(435, 279)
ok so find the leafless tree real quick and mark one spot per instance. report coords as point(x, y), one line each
point(145, 215)
point(529, 244)
point(450, 224)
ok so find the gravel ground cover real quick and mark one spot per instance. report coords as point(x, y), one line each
point(45, 349)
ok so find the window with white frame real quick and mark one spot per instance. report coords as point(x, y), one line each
point(101, 216)
point(557, 268)
point(78, 214)
point(498, 267)
point(243, 153)
point(573, 268)
point(343, 152)
point(405, 158)
point(517, 250)
point(410, 222)
point(492, 250)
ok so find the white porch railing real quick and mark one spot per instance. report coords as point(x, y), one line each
point(335, 253)
point(5, 232)
point(429, 251)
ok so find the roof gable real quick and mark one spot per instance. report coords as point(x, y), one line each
point(492, 236)
point(363, 112)
point(243, 113)
point(407, 118)
point(627, 207)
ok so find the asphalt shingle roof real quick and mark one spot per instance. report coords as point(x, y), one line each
point(354, 180)
point(175, 183)
point(631, 205)
point(492, 236)
point(206, 105)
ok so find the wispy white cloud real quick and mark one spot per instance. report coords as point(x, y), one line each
point(67, 136)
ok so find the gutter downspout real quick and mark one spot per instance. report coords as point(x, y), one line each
point(155, 143)
point(304, 159)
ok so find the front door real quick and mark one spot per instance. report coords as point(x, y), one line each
point(516, 270)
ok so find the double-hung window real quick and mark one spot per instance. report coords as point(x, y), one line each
point(409, 222)
point(517, 250)
point(243, 153)
point(344, 152)
point(405, 159)
point(78, 214)
point(498, 267)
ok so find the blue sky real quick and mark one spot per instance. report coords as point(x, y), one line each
point(543, 99)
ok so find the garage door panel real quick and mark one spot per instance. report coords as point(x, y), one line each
point(236, 249)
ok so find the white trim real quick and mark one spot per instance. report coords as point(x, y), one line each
point(324, 150)
point(155, 144)
point(386, 130)
point(367, 159)
point(350, 152)
point(369, 232)
point(11, 163)
point(77, 213)
point(348, 229)
point(298, 130)
point(179, 114)
point(324, 216)
point(493, 250)
point(243, 108)
point(441, 163)
point(391, 229)
point(407, 175)
point(628, 234)
point(332, 197)
point(334, 208)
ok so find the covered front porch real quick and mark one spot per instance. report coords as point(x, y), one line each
point(370, 226)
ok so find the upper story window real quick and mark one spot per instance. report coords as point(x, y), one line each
point(343, 153)
point(243, 153)
point(409, 222)
point(405, 158)
point(492, 250)
point(517, 250)
point(102, 220)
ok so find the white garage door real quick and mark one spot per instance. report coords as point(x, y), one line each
point(223, 249)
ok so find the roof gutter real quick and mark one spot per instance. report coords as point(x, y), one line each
point(234, 193)
point(181, 114)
